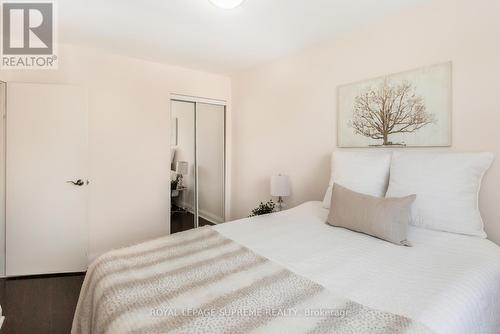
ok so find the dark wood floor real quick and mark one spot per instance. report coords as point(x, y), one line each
point(39, 304)
point(183, 221)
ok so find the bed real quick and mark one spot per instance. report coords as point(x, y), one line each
point(445, 283)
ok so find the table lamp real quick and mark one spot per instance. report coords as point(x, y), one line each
point(280, 187)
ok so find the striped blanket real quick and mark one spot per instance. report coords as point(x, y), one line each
point(201, 282)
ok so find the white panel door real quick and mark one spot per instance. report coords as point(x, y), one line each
point(47, 146)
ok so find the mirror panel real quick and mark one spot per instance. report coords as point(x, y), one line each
point(210, 131)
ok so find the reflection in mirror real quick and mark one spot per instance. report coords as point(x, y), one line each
point(182, 174)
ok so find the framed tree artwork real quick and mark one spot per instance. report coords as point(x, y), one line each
point(401, 110)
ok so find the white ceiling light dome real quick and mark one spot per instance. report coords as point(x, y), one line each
point(227, 4)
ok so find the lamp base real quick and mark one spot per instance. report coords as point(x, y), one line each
point(281, 203)
point(179, 181)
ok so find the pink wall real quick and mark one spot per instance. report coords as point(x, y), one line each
point(284, 112)
point(129, 134)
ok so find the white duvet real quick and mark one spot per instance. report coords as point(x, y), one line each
point(449, 282)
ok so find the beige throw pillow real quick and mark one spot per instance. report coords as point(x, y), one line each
point(384, 218)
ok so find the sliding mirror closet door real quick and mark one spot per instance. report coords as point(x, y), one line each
point(183, 156)
point(210, 132)
point(198, 164)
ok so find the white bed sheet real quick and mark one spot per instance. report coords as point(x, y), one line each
point(449, 282)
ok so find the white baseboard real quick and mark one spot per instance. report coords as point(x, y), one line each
point(210, 217)
point(203, 213)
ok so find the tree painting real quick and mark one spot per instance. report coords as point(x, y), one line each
point(390, 108)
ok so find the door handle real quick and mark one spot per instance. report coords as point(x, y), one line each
point(78, 182)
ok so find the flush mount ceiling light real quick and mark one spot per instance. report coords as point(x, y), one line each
point(227, 4)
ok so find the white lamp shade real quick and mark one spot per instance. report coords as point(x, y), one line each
point(280, 186)
point(182, 167)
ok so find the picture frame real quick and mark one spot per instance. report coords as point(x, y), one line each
point(406, 109)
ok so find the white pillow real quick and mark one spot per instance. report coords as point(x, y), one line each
point(362, 172)
point(447, 187)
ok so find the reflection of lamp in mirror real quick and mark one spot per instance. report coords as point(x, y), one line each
point(181, 168)
point(280, 187)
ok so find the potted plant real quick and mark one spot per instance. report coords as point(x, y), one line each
point(263, 209)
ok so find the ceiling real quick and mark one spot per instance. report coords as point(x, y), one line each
point(196, 34)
